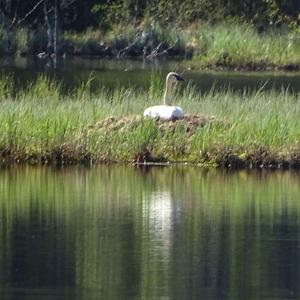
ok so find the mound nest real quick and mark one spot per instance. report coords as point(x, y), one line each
point(190, 123)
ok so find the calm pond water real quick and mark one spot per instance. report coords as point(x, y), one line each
point(72, 72)
point(158, 233)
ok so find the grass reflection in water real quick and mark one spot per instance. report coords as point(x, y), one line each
point(120, 232)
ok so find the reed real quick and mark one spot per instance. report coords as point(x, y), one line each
point(39, 125)
point(241, 46)
point(232, 45)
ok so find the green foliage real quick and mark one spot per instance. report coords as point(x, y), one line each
point(111, 13)
point(263, 13)
point(38, 125)
point(157, 27)
point(239, 45)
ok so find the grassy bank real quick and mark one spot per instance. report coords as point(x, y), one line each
point(259, 129)
point(240, 46)
point(228, 45)
point(219, 46)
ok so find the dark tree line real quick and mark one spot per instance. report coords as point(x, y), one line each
point(56, 16)
point(73, 14)
point(79, 14)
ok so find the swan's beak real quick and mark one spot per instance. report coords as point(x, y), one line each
point(179, 78)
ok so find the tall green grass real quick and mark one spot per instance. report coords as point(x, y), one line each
point(255, 128)
point(241, 45)
point(230, 44)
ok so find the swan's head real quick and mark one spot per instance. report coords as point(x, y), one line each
point(173, 77)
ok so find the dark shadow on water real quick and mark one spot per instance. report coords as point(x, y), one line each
point(109, 74)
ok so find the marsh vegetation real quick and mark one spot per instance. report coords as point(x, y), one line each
point(247, 35)
point(231, 45)
point(223, 128)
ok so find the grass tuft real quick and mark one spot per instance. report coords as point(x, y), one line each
point(253, 129)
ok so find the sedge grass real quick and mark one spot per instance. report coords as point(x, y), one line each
point(233, 45)
point(253, 128)
point(240, 45)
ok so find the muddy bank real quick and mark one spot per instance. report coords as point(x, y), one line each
point(216, 155)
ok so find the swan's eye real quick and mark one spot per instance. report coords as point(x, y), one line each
point(179, 78)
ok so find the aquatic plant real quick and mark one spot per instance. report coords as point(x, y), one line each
point(226, 129)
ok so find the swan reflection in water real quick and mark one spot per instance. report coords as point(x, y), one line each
point(158, 217)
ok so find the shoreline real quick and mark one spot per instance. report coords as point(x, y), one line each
point(232, 156)
point(221, 46)
point(192, 64)
point(231, 161)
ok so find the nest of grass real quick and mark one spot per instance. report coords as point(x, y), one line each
point(190, 122)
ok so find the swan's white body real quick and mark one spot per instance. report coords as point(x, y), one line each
point(166, 111)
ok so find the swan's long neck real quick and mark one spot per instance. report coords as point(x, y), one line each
point(167, 94)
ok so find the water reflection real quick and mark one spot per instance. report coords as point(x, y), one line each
point(157, 218)
point(168, 233)
point(110, 73)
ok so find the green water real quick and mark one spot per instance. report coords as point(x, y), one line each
point(158, 233)
point(109, 74)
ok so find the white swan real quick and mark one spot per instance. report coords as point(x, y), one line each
point(166, 111)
